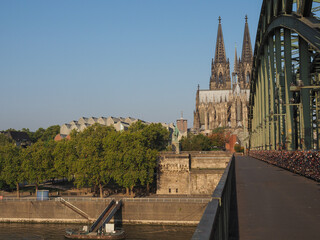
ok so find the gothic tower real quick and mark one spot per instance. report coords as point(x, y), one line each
point(246, 59)
point(196, 114)
point(236, 69)
point(220, 68)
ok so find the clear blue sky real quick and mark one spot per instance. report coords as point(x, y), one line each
point(64, 59)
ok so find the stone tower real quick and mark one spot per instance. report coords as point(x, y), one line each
point(196, 114)
point(220, 67)
point(236, 69)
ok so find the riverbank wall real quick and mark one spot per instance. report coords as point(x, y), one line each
point(168, 211)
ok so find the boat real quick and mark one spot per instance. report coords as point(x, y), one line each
point(114, 235)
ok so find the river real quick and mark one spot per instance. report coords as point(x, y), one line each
point(23, 231)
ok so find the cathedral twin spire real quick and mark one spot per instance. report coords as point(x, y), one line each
point(220, 67)
point(225, 108)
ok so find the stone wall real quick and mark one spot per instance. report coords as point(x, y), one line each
point(209, 162)
point(144, 212)
point(204, 182)
point(190, 173)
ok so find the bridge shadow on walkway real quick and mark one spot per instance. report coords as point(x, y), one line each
point(273, 203)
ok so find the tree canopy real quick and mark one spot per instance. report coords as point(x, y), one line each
point(200, 142)
point(92, 157)
point(43, 134)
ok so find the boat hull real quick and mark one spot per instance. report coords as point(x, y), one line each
point(116, 236)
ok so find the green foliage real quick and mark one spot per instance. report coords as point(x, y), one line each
point(238, 148)
point(135, 161)
point(200, 142)
point(65, 157)
point(11, 170)
point(43, 134)
point(92, 157)
point(156, 136)
point(93, 167)
point(196, 143)
point(4, 140)
point(137, 126)
point(38, 162)
point(218, 137)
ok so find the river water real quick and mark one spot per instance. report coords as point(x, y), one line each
point(56, 231)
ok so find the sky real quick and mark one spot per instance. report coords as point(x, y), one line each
point(64, 59)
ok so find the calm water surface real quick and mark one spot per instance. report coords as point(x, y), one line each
point(56, 231)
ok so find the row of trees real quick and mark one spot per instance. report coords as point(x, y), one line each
point(40, 134)
point(215, 141)
point(92, 157)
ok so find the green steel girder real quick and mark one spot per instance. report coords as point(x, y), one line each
point(303, 26)
point(298, 25)
point(277, 48)
point(305, 9)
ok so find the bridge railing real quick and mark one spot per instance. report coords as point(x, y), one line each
point(304, 163)
point(80, 199)
point(214, 223)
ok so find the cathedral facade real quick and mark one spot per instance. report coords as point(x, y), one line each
point(225, 103)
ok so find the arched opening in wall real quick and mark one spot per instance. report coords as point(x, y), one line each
point(248, 77)
point(212, 119)
point(202, 116)
point(229, 113)
point(239, 111)
point(220, 78)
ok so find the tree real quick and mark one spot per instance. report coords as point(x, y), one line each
point(196, 143)
point(30, 134)
point(11, 171)
point(93, 167)
point(4, 140)
point(38, 134)
point(156, 136)
point(134, 161)
point(137, 126)
point(65, 158)
point(50, 133)
point(43, 134)
point(38, 162)
point(219, 137)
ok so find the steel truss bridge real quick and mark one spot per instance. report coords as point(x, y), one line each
point(284, 105)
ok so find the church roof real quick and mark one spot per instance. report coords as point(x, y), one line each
point(18, 136)
point(220, 54)
point(207, 96)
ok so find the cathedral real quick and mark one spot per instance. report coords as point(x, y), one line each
point(225, 104)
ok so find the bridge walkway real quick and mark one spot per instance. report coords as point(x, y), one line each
point(273, 203)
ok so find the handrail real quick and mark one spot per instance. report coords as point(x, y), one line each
point(94, 225)
point(81, 199)
point(74, 208)
point(214, 223)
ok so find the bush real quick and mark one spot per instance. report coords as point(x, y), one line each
point(238, 148)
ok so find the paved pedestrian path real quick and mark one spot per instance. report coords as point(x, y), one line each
point(273, 203)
